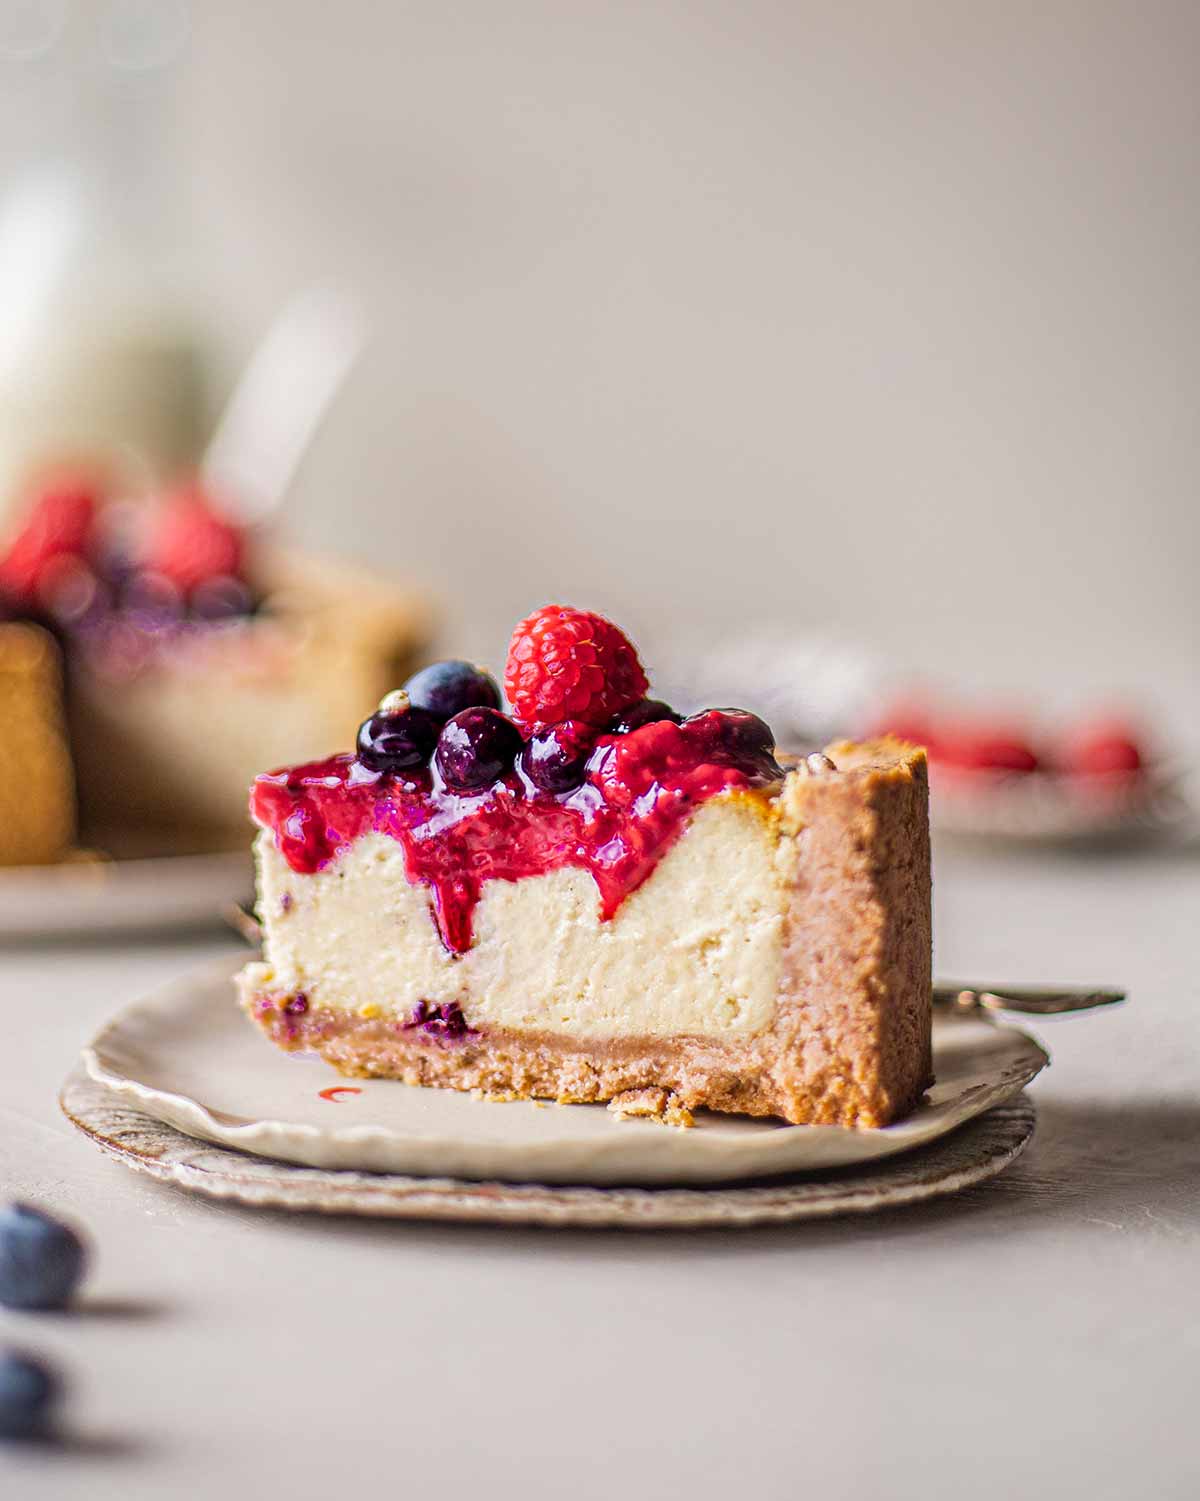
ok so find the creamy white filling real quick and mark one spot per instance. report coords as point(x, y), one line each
point(696, 949)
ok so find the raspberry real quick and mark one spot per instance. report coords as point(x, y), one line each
point(985, 748)
point(192, 543)
point(570, 664)
point(58, 527)
point(1102, 749)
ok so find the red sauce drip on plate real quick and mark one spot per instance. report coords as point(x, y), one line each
point(639, 791)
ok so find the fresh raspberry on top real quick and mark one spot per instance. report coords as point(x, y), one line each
point(192, 542)
point(58, 527)
point(570, 664)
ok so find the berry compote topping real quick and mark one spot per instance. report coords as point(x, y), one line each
point(637, 793)
point(555, 760)
point(445, 689)
point(476, 748)
point(645, 711)
point(397, 736)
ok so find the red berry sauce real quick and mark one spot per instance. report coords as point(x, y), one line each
point(637, 795)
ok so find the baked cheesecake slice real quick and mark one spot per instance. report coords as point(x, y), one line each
point(194, 651)
point(37, 790)
point(591, 899)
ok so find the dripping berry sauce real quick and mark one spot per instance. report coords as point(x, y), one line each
point(636, 796)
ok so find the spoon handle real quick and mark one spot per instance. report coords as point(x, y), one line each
point(1029, 1000)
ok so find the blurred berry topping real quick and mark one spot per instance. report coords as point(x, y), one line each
point(555, 760)
point(1105, 749)
point(221, 598)
point(570, 664)
point(647, 711)
point(152, 597)
point(476, 748)
point(397, 736)
point(28, 1391)
point(980, 748)
point(41, 1259)
point(58, 527)
point(193, 543)
point(446, 688)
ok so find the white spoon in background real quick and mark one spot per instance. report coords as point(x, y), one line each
point(281, 399)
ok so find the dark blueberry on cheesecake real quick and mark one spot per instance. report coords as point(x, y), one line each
point(447, 688)
point(476, 748)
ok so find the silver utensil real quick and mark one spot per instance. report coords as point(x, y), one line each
point(1027, 1000)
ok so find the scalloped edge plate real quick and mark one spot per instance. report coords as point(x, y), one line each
point(970, 1155)
point(187, 1057)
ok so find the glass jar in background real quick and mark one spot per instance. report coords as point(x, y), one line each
point(100, 359)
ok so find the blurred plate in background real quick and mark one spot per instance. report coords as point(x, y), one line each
point(90, 896)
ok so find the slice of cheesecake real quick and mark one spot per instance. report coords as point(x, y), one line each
point(592, 898)
point(193, 654)
point(37, 790)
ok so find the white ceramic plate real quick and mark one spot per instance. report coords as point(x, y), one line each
point(977, 1151)
point(1048, 809)
point(84, 898)
point(188, 1057)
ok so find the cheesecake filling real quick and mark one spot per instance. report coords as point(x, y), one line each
point(639, 794)
point(684, 954)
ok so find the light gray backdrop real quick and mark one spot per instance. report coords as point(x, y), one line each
point(874, 315)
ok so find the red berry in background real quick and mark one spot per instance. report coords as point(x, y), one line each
point(570, 664)
point(907, 721)
point(1102, 749)
point(191, 542)
point(983, 748)
point(58, 527)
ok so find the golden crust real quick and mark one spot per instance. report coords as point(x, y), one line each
point(37, 791)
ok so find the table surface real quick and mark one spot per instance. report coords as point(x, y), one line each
point(1036, 1336)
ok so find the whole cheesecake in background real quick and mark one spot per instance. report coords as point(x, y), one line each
point(589, 899)
point(151, 660)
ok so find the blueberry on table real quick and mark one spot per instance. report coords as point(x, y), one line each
point(476, 748)
point(28, 1390)
point(445, 689)
point(41, 1259)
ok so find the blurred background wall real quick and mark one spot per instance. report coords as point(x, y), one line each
point(875, 317)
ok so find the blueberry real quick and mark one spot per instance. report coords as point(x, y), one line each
point(733, 732)
point(397, 736)
point(475, 748)
point(221, 598)
point(554, 760)
point(27, 1393)
point(447, 688)
point(645, 711)
point(153, 598)
point(41, 1259)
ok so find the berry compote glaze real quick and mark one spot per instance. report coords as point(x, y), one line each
point(637, 794)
